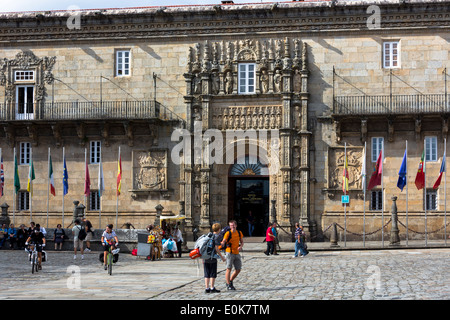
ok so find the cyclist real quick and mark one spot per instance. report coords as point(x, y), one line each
point(109, 239)
point(37, 239)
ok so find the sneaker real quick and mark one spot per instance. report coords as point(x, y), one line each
point(230, 286)
point(214, 290)
point(87, 250)
point(75, 257)
point(105, 266)
point(82, 257)
point(207, 290)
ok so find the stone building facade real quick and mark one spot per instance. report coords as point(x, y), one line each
point(297, 80)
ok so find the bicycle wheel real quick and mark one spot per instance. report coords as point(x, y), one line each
point(33, 263)
point(110, 263)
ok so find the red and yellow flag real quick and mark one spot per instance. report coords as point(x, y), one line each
point(420, 177)
point(345, 177)
point(119, 175)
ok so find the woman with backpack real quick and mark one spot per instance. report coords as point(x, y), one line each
point(210, 265)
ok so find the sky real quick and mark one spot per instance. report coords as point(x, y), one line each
point(45, 5)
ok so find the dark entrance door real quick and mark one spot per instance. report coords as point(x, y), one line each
point(250, 194)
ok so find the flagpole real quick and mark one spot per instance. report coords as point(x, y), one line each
point(117, 195)
point(85, 168)
point(445, 191)
point(30, 194)
point(48, 184)
point(406, 162)
point(364, 187)
point(345, 204)
point(382, 197)
point(14, 189)
point(100, 191)
point(64, 154)
point(425, 190)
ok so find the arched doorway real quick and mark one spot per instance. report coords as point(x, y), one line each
point(248, 190)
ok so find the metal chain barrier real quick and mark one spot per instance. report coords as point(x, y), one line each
point(368, 233)
point(428, 232)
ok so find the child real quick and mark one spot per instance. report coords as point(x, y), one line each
point(210, 265)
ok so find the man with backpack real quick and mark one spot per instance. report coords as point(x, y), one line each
point(233, 243)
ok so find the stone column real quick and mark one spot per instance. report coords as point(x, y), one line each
point(395, 239)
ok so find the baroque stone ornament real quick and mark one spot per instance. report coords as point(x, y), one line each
point(336, 163)
point(150, 170)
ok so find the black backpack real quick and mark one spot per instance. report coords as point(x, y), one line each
point(82, 234)
point(222, 234)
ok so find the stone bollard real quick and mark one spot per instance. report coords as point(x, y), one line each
point(4, 219)
point(334, 237)
point(159, 208)
point(395, 239)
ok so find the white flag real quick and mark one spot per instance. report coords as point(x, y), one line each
point(363, 170)
point(101, 180)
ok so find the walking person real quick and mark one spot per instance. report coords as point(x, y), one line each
point(178, 238)
point(233, 242)
point(269, 240)
point(251, 223)
point(299, 248)
point(275, 240)
point(77, 243)
point(210, 265)
point(89, 234)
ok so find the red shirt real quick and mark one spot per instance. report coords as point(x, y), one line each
point(269, 237)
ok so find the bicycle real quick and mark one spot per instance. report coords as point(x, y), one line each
point(110, 258)
point(34, 258)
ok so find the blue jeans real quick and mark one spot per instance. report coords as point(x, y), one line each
point(251, 228)
point(299, 248)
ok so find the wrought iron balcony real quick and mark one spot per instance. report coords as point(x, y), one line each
point(95, 110)
point(391, 104)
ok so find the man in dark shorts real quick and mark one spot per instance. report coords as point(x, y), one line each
point(37, 239)
point(210, 265)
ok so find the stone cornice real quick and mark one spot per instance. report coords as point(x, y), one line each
point(203, 21)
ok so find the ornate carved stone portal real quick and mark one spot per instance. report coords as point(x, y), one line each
point(277, 100)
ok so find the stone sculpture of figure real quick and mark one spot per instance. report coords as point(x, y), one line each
point(277, 79)
point(228, 83)
point(197, 85)
point(215, 82)
point(264, 81)
point(297, 81)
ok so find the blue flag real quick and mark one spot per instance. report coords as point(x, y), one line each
point(401, 183)
point(65, 179)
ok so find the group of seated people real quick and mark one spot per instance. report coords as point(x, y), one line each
point(17, 237)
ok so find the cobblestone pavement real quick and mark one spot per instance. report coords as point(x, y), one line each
point(354, 275)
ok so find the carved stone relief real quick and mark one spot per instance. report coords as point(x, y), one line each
point(150, 170)
point(336, 163)
point(244, 118)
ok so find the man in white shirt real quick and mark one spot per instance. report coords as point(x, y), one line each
point(178, 237)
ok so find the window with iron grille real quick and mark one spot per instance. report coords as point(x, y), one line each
point(376, 200)
point(431, 199)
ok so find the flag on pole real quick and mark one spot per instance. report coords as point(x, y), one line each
point(65, 179)
point(363, 170)
point(2, 177)
point(375, 179)
point(101, 179)
point(87, 181)
point(438, 181)
point(16, 175)
point(119, 175)
point(345, 176)
point(50, 175)
point(31, 177)
point(401, 183)
point(420, 177)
